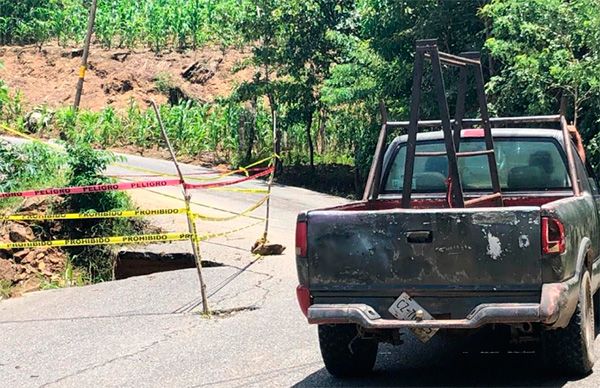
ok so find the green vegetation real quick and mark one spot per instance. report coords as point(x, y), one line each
point(192, 127)
point(35, 165)
point(86, 167)
point(229, 131)
point(164, 82)
point(11, 108)
point(28, 166)
point(157, 24)
point(321, 67)
point(5, 289)
point(543, 50)
point(339, 58)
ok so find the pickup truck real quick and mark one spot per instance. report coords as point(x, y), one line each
point(369, 269)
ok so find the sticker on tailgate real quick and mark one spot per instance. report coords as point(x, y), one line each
point(406, 308)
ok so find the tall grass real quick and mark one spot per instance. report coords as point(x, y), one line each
point(229, 131)
point(193, 128)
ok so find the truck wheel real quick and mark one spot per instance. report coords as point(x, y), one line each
point(572, 349)
point(346, 354)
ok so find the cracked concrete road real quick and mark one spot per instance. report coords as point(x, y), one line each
point(146, 331)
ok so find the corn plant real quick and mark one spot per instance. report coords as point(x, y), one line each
point(158, 24)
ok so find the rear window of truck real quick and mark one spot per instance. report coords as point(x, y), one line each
point(524, 164)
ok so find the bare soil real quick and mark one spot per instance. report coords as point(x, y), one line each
point(115, 77)
point(25, 270)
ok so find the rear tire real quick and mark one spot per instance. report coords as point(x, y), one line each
point(571, 349)
point(597, 307)
point(346, 354)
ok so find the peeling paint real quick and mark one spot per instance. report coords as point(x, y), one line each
point(354, 252)
point(494, 248)
point(495, 218)
point(453, 249)
point(523, 241)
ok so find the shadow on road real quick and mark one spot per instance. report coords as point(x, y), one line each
point(443, 362)
point(465, 370)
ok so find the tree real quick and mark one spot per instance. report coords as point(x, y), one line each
point(351, 94)
point(296, 43)
point(547, 48)
point(392, 27)
point(260, 27)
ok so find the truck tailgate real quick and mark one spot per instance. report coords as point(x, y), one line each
point(385, 252)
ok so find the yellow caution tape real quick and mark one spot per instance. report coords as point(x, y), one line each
point(216, 177)
point(222, 234)
point(256, 163)
point(146, 170)
point(28, 137)
point(228, 218)
point(141, 169)
point(136, 239)
point(109, 214)
point(232, 172)
point(139, 239)
point(194, 230)
point(199, 204)
point(238, 190)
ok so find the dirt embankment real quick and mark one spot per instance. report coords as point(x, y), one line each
point(49, 76)
point(28, 269)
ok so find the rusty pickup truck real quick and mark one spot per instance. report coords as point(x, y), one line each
point(528, 263)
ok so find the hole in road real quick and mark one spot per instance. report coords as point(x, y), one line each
point(134, 263)
point(225, 313)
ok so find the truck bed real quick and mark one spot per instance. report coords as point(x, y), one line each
point(371, 252)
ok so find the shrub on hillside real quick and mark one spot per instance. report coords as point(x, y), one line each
point(86, 167)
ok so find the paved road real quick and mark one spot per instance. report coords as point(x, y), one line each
point(146, 331)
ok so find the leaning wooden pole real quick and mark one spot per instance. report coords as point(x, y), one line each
point(86, 53)
point(190, 216)
point(274, 162)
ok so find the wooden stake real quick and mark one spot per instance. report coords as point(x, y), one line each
point(270, 183)
point(190, 217)
point(86, 53)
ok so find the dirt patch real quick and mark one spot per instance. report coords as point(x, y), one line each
point(226, 313)
point(29, 269)
point(115, 77)
point(24, 270)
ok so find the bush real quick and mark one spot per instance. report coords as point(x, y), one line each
point(86, 166)
point(29, 166)
point(36, 165)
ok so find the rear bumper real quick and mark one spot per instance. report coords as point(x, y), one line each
point(555, 309)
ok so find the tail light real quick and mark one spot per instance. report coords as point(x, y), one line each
point(553, 236)
point(301, 245)
point(303, 295)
